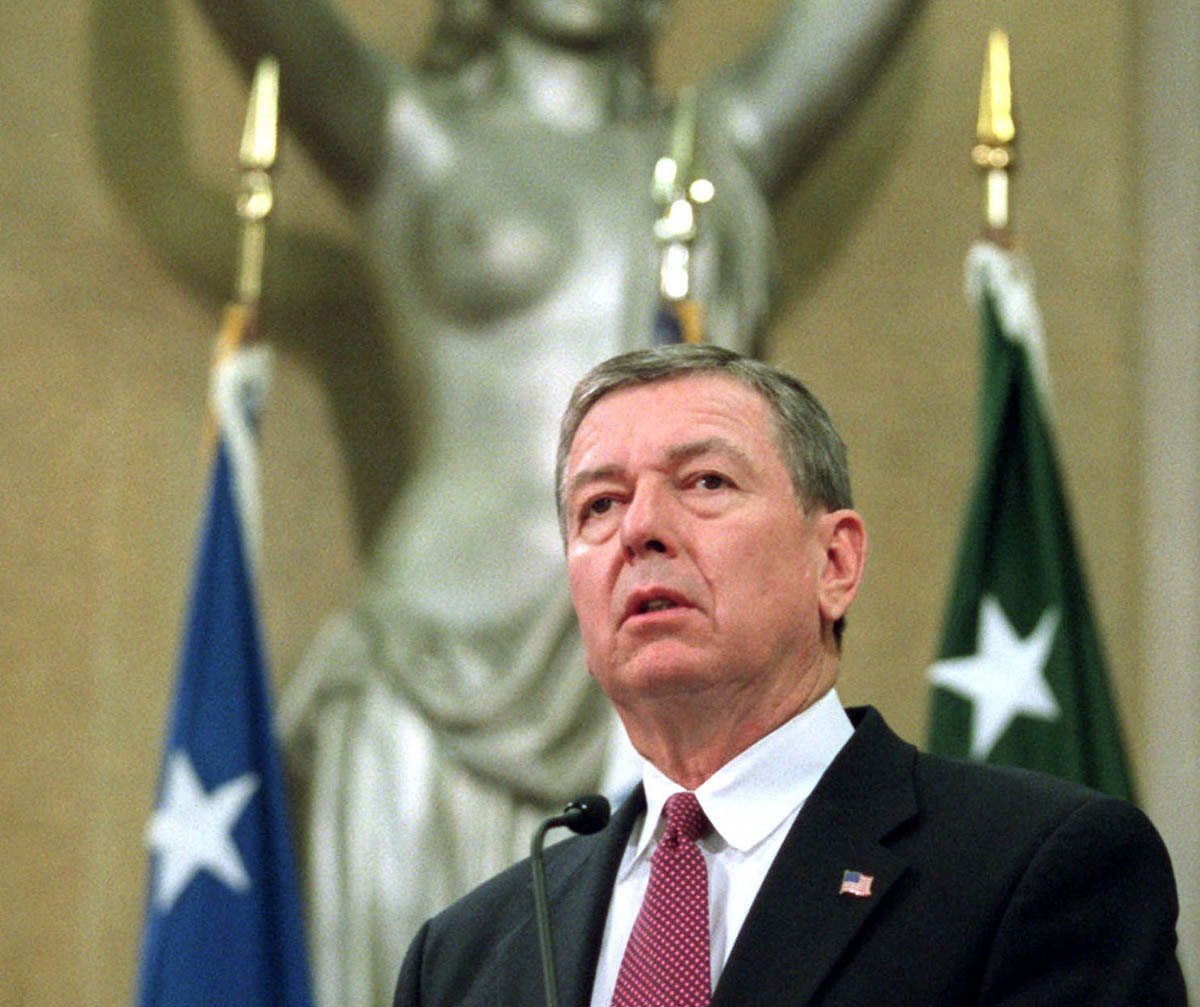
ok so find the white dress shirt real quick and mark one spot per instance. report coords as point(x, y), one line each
point(751, 803)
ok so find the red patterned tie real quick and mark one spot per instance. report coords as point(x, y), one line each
point(667, 959)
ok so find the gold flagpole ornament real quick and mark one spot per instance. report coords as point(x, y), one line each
point(995, 135)
point(256, 158)
point(678, 192)
point(255, 199)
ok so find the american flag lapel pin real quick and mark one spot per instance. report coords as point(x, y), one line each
point(856, 883)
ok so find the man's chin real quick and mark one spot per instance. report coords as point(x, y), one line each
point(660, 676)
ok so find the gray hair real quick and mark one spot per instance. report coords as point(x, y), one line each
point(811, 449)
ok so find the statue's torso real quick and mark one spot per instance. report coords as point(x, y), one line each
point(526, 260)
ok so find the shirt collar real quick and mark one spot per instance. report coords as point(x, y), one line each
point(754, 793)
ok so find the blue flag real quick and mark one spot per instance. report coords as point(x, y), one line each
point(223, 914)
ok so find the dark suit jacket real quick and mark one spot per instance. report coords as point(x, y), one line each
point(991, 886)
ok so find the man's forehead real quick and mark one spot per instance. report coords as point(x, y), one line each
point(679, 416)
point(681, 394)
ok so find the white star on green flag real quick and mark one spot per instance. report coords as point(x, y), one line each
point(1004, 678)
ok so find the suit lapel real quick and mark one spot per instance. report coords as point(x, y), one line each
point(800, 923)
point(579, 882)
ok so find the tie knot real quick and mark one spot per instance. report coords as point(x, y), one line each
point(685, 817)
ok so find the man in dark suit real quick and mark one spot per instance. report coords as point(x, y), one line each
point(781, 849)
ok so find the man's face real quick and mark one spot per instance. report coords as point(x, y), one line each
point(690, 561)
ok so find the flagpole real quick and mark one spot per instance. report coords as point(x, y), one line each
point(240, 325)
point(255, 201)
point(995, 139)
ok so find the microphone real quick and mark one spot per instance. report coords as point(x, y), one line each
point(584, 815)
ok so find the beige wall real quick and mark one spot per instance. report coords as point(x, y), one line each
point(101, 408)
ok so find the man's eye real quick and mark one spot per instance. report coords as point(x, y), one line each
point(712, 481)
point(601, 505)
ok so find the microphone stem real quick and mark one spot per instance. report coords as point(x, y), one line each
point(542, 912)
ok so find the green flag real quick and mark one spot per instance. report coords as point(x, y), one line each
point(1021, 675)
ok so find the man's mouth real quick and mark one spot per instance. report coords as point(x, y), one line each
point(649, 601)
point(656, 605)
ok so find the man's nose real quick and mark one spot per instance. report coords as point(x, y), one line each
point(648, 523)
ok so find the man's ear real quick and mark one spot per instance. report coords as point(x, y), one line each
point(844, 538)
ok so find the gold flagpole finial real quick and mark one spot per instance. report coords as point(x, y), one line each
point(995, 136)
point(679, 192)
point(256, 158)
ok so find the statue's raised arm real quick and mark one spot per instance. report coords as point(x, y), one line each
point(781, 99)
